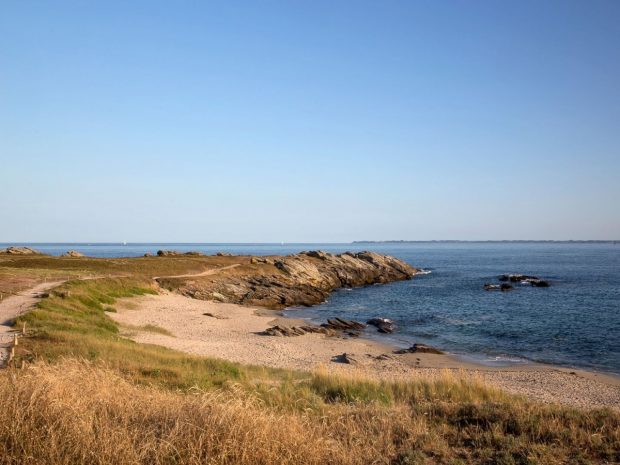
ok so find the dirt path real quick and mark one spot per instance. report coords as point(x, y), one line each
point(14, 306)
point(197, 275)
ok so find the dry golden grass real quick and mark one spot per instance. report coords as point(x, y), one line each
point(76, 412)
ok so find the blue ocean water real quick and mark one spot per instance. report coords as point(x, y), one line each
point(575, 322)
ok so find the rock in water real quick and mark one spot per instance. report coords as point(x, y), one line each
point(419, 348)
point(524, 279)
point(383, 325)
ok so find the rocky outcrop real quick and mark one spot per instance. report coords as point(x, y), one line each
point(174, 253)
point(305, 279)
point(20, 251)
point(73, 254)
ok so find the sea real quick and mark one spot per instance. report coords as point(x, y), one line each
point(574, 323)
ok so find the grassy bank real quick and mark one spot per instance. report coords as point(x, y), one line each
point(91, 396)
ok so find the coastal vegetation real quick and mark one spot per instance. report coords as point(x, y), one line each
point(79, 392)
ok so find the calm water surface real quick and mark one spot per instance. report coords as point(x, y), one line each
point(575, 322)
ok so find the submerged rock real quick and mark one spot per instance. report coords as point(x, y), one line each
point(498, 287)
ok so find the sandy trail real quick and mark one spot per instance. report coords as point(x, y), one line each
point(14, 306)
point(209, 272)
point(232, 332)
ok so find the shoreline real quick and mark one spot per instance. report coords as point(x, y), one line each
point(472, 362)
point(233, 332)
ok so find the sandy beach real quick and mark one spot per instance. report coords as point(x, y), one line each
point(233, 332)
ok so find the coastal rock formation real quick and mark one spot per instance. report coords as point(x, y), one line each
point(20, 251)
point(73, 254)
point(305, 279)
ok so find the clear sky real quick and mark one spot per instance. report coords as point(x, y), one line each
point(309, 121)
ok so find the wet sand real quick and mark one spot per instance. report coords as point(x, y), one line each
point(233, 332)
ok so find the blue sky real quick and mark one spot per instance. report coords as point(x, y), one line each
point(309, 121)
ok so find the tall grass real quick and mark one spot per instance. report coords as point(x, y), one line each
point(75, 412)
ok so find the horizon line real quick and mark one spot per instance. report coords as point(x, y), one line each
point(388, 241)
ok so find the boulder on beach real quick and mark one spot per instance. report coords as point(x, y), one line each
point(279, 330)
point(72, 254)
point(20, 251)
point(167, 253)
point(345, 358)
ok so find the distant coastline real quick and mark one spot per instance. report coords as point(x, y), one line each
point(456, 241)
